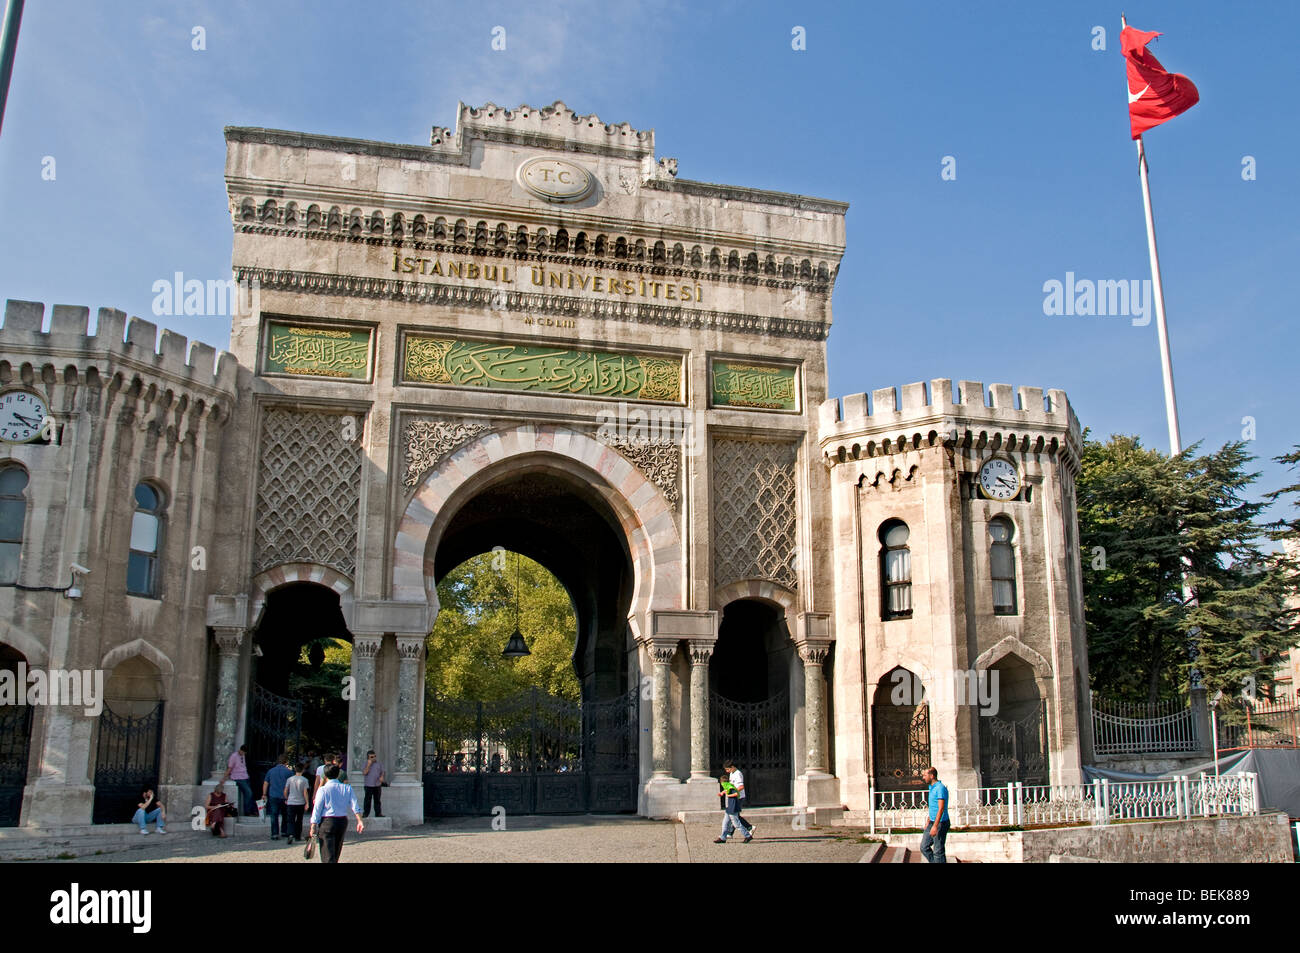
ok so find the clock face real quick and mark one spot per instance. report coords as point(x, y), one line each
point(999, 479)
point(21, 414)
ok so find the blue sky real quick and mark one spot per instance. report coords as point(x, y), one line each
point(941, 278)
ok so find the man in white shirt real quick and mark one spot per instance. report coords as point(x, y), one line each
point(734, 791)
point(329, 817)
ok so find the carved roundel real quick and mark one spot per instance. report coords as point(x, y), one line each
point(555, 180)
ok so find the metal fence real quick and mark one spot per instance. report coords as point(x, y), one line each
point(1120, 727)
point(1103, 801)
point(1268, 724)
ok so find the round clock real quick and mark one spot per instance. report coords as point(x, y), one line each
point(999, 479)
point(21, 414)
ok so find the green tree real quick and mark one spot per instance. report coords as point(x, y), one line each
point(1179, 581)
point(475, 619)
point(317, 681)
point(1286, 532)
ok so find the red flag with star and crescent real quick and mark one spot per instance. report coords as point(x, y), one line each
point(1154, 94)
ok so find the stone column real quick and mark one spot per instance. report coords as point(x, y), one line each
point(662, 653)
point(362, 709)
point(700, 653)
point(229, 639)
point(813, 655)
point(410, 696)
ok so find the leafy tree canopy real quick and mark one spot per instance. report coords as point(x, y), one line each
point(1175, 578)
point(476, 617)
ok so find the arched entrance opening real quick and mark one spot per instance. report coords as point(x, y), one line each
point(128, 746)
point(900, 732)
point(302, 652)
point(533, 735)
point(750, 700)
point(1013, 740)
point(15, 737)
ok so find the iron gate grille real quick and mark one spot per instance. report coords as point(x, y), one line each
point(1014, 749)
point(15, 745)
point(755, 735)
point(126, 762)
point(533, 753)
point(901, 736)
point(274, 728)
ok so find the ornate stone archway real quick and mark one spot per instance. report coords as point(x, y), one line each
point(645, 516)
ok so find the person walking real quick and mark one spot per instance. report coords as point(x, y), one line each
point(296, 790)
point(273, 789)
point(374, 783)
point(329, 817)
point(149, 809)
point(237, 771)
point(320, 774)
point(935, 834)
point(733, 789)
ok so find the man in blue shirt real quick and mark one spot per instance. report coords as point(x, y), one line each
point(933, 837)
point(273, 790)
point(330, 815)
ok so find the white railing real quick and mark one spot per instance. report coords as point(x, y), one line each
point(1120, 727)
point(1103, 801)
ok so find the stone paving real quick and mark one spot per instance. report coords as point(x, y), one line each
point(526, 840)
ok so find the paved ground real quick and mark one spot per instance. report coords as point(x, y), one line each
point(526, 839)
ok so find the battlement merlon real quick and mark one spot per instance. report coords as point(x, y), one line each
point(549, 127)
point(867, 425)
point(131, 341)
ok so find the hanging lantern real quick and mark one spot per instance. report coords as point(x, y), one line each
point(516, 647)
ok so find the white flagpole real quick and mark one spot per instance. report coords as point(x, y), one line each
point(1158, 293)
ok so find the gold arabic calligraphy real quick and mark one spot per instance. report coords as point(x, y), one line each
point(534, 368)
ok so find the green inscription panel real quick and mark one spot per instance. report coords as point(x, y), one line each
point(758, 386)
point(537, 368)
point(304, 351)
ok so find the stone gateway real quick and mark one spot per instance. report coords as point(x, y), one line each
point(529, 335)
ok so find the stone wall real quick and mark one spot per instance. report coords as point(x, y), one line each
point(1263, 838)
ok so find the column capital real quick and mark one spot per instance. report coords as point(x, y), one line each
point(228, 638)
point(661, 650)
point(366, 645)
point(410, 647)
point(814, 652)
point(701, 651)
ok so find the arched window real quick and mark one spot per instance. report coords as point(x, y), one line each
point(895, 571)
point(1002, 565)
point(146, 542)
point(13, 517)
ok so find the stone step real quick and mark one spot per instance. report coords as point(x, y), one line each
point(819, 816)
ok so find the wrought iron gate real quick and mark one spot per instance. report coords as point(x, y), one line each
point(15, 745)
point(531, 754)
point(126, 762)
point(755, 735)
point(1014, 749)
point(274, 728)
point(901, 746)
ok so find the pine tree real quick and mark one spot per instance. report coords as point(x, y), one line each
point(1179, 581)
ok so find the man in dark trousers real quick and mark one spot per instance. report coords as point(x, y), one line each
point(329, 818)
point(273, 791)
point(374, 785)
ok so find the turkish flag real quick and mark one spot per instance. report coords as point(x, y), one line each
point(1154, 94)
